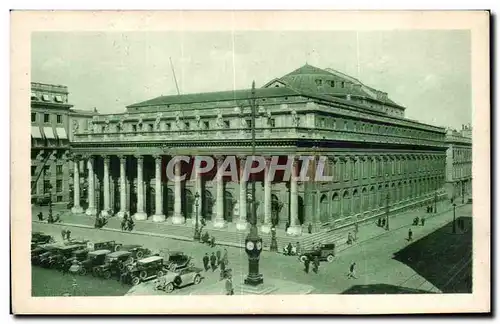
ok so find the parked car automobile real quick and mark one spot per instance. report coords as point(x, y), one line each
point(105, 245)
point(177, 260)
point(144, 269)
point(138, 251)
point(325, 252)
point(60, 254)
point(93, 260)
point(38, 238)
point(177, 279)
point(115, 264)
point(77, 256)
point(41, 251)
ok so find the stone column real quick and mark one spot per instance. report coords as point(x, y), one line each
point(123, 187)
point(178, 217)
point(198, 189)
point(106, 207)
point(158, 216)
point(266, 227)
point(140, 214)
point(242, 221)
point(91, 210)
point(295, 228)
point(76, 209)
point(219, 216)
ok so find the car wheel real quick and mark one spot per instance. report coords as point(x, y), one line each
point(143, 274)
point(303, 258)
point(106, 274)
point(172, 267)
point(169, 287)
point(159, 274)
point(117, 248)
point(329, 258)
point(139, 254)
point(197, 279)
point(82, 272)
point(136, 281)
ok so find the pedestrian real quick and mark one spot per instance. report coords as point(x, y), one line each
point(212, 241)
point(297, 248)
point(349, 238)
point(316, 264)
point(410, 235)
point(68, 235)
point(383, 222)
point(222, 270)
point(130, 224)
point(352, 271)
point(213, 261)
point(287, 225)
point(422, 221)
point(307, 261)
point(124, 223)
point(218, 254)
point(206, 261)
point(309, 228)
point(63, 234)
point(229, 286)
point(225, 257)
point(40, 216)
point(379, 222)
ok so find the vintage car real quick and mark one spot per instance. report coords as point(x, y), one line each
point(325, 252)
point(41, 251)
point(38, 238)
point(177, 260)
point(77, 256)
point(177, 279)
point(93, 260)
point(115, 264)
point(59, 255)
point(138, 251)
point(105, 245)
point(144, 269)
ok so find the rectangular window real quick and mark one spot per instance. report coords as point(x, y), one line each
point(46, 186)
point(272, 122)
point(59, 169)
point(346, 170)
point(226, 124)
point(33, 117)
point(59, 198)
point(46, 118)
point(206, 125)
point(59, 119)
point(58, 185)
point(33, 170)
point(151, 127)
point(168, 126)
point(134, 128)
point(46, 170)
point(249, 123)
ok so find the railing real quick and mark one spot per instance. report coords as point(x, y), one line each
point(244, 134)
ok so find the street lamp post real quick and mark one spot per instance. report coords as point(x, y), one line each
point(196, 235)
point(463, 192)
point(454, 225)
point(253, 243)
point(435, 201)
point(387, 212)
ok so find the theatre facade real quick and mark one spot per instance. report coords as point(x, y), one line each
point(377, 158)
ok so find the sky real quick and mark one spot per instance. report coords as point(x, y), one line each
point(428, 72)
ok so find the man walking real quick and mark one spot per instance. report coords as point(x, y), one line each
point(225, 259)
point(422, 221)
point(40, 216)
point(213, 261)
point(306, 264)
point(222, 270)
point(229, 286)
point(352, 271)
point(63, 234)
point(218, 254)
point(206, 260)
point(316, 264)
point(410, 235)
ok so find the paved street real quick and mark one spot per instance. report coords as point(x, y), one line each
point(373, 254)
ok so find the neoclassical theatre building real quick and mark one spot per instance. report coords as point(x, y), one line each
point(376, 156)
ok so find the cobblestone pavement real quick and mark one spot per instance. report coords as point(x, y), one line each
point(373, 254)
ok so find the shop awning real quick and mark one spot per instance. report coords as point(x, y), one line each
point(49, 133)
point(61, 133)
point(35, 132)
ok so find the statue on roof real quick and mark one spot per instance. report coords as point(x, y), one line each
point(295, 119)
point(220, 121)
point(157, 121)
point(197, 118)
point(178, 122)
point(90, 126)
point(268, 118)
point(76, 125)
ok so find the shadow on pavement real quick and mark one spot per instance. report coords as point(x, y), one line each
point(381, 289)
point(443, 258)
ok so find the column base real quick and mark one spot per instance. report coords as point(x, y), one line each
point(294, 230)
point(219, 223)
point(91, 211)
point(140, 216)
point(266, 228)
point(241, 226)
point(158, 218)
point(178, 219)
point(76, 209)
point(104, 213)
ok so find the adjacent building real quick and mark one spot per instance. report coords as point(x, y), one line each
point(379, 159)
point(459, 163)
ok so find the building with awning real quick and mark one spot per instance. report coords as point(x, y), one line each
point(61, 133)
point(49, 133)
point(35, 132)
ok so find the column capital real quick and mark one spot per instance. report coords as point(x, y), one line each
point(89, 157)
point(158, 157)
point(106, 158)
point(139, 157)
point(122, 157)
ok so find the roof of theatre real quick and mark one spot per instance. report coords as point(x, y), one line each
point(303, 81)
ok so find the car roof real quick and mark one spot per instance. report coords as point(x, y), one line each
point(130, 246)
point(119, 253)
point(99, 252)
point(150, 259)
point(70, 247)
